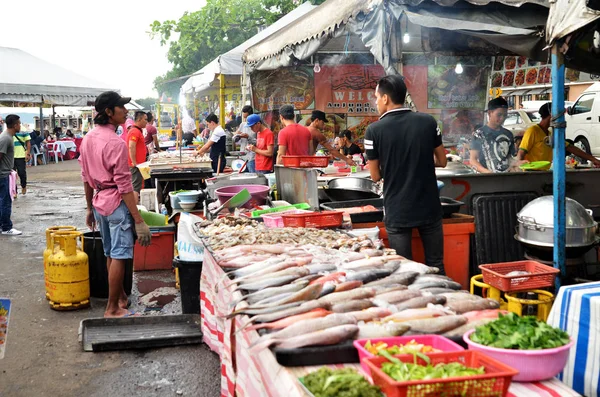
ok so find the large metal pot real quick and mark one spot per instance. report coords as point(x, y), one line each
point(349, 188)
point(536, 224)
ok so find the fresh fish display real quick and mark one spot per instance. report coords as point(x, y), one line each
point(307, 278)
point(478, 314)
point(399, 296)
point(319, 268)
point(265, 271)
point(367, 276)
point(266, 310)
point(329, 336)
point(431, 277)
point(357, 293)
point(351, 306)
point(415, 314)
point(269, 282)
point(436, 284)
point(421, 301)
point(243, 261)
point(437, 291)
point(348, 285)
point(265, 302)
point(381, 330)
point(291, 271)
point(327, 289)
point(457, 333)
point(411, 266)
point(459, 296)
point(460, 307)
point(437, 325)
point(257, 266)
point(308, 326)
point(370, 262)
point(306, 294)
point(403, 278)
point(286, 322)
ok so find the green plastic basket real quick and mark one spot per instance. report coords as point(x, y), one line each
point(301, 206)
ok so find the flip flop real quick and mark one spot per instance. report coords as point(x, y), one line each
point(131, 313)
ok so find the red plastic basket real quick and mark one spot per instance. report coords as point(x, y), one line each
point(305, 161)
point(542, 276)
point(436, 341)
point(494, 382)
point(315, 219)
point(276, 220)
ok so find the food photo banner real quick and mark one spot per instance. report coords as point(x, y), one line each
point(347, 89)
point(274, 88)
point(447, 89)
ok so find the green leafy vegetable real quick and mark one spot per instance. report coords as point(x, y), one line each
point(345, 382)
point(403, 372)
point(521, 333)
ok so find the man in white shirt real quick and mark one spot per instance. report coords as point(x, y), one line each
point(188, 125)
point(245, 137)
point(216, 144)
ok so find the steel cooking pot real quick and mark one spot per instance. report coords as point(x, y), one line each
point(536, 224)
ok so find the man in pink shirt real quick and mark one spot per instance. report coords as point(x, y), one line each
point(109, 194)
point(294, 139)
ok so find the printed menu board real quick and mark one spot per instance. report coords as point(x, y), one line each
point(274, 88)
point(447, 89)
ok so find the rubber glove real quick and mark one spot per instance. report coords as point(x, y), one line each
point(143, 234)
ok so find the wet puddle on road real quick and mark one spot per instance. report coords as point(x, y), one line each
point(156, 293)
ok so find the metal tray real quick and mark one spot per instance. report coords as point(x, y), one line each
point(104, 334)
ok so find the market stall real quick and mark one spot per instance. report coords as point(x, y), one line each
point(248, 370)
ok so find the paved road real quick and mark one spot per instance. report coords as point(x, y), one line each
point(43, 355)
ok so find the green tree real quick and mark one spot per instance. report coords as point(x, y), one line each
point(146, 103)
point(213, 30)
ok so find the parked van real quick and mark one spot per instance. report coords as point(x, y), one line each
point(583, 121)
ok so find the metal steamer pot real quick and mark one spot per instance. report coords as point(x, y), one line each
point(343, 189)
point(536, 224)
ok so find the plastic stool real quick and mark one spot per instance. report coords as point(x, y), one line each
point(543, 302)
point(487, 290)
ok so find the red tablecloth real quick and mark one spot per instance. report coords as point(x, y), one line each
point(259, 375)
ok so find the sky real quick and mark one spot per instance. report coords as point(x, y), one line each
point(106, 41)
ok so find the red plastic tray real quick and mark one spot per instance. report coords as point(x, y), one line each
point(495, 382)
point(315, 219)
point(305, 161)
point(541, 276)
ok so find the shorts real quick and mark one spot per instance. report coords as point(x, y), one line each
point(117, 231)
point(137, 179)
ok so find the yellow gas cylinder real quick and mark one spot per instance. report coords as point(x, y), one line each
point(67, 283)
point(49, 248)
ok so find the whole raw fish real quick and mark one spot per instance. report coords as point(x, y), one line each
point(422, 301)
point(298, 271)
point(267, 270)
point(460, 307)
point(371, 253)
point(415, 314)
point(243, 261)
point(436, 284)
point(268, 282)
point(437, 325)
point(308, 278)
point(267, 310)
point(370, 314)
point(367, 276)
point(431, 277)
point(381, 330)
point(269, 248)
point(318, 268)
point(271, 299)
point(244, 271)
point(357, 293)
point(368, 262)
point(306, 294)
point(272, 291)
point(412, 266)
point(399, 296)
point(329, 336)
point(309, 325)
point(286, 322)
point(463, 329)
point(330, 278)
point(348, 285)
point(459, 296)
point(404, 278)
point(478, 314)
point(289, 311)
point(437, 290)
point(351, 306)
point(384, 289)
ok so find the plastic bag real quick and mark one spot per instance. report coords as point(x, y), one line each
point(190, 247)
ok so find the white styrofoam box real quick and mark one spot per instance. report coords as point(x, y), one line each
point(148, 199)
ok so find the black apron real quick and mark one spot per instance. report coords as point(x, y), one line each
point(218, 150)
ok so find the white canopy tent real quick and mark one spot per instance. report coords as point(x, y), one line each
point(26, 78)
point(230, 63)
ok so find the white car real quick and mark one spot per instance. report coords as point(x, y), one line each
point(583, 121)
point(518, 121)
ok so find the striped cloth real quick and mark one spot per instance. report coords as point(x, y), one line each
point(576, 310)
point(245, 373)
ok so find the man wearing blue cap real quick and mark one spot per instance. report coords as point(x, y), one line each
point(265, 142)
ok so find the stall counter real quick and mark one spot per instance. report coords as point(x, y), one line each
point(259, 375)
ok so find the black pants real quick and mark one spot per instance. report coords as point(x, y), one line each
point(21, 168)
point(432, 236)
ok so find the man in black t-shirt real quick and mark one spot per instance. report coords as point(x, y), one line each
point(403, 149)
point(493, 146)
